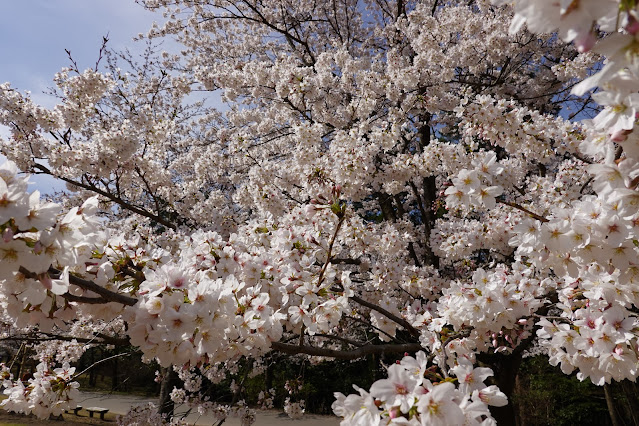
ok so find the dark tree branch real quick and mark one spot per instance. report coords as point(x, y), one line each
point(352, 354)
point(91, 286)
point(341, 339)
point(523, 209)
point(106, 295)
point(401, 321)
point(84, 299)
point(338, 261)
point(330, 249)
point(50, 337)
point(118, 201)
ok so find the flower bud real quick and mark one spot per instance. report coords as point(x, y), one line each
point(394, 412)
point(632, 26)
point(620, 135)
point(585, 42)
point(7, 235)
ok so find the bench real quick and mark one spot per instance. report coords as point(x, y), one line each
point(75, 410)
point(102, 411)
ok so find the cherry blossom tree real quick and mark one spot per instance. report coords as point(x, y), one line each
point(432, 179)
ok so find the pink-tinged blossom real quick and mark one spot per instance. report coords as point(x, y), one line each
point(491, 395)
point(397, 389)
point(469, 377)
point(437, 407)
point(356, 410)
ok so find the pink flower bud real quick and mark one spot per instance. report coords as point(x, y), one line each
point(584, 42)
point(620, 135)
point(394, 412)
point(632, 26)
point(45, 280)
point(545, 254)
point(7, 235)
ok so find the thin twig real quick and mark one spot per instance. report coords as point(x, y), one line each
point(96, 363)
point(523, 209)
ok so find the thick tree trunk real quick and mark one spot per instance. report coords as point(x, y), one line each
point(93, 374)
point(268, 377)
point(506, 368)
point(429, 194)
point(169, 379)
point(520, 416)
point(632, 397)
point(612, 409)
point(115, 382)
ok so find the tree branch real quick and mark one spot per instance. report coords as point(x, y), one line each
point(341, 339)
point(91, 286)
point(106, 295)
point(401, 321)
point(523, 209)
point(329, 253)
point(119, 201)
point(50, 337)
point(348, 355)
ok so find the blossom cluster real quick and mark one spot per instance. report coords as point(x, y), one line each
point(493, 307)
point(48, 392)
point(36, 238)
point(413, 395)
point(590, 242)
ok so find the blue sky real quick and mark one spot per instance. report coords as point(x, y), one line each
point(35, 34)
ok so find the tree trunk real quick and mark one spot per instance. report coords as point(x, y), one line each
point(268, 377)
point(520, 415)
point(429, 188)
point(632, 396)
point(114, 376)
point(505, 368)
point(93, 376)
point(610, 402)
point(165, 404)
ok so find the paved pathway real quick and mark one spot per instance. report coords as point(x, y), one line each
point(120, 404)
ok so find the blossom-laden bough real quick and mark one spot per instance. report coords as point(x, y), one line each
point(388, 178)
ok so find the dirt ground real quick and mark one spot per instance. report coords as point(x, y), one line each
point(121, 404)
point(12, 419)
point(264, 419)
